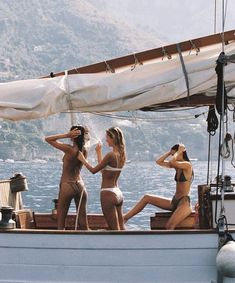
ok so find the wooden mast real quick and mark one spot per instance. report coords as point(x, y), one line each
point(151, 54)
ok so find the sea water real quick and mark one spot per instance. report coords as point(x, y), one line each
point(137, 179)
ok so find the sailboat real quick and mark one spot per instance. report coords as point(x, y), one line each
point(172, 76)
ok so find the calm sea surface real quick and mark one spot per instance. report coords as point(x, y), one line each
point(137, 179)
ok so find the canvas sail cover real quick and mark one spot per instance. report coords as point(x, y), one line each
point(153, 83)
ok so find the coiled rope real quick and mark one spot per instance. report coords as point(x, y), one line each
point(212, 121)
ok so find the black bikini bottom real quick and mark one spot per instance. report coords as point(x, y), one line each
point(175, 202)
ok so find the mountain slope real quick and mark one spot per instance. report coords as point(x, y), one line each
point(38, 37)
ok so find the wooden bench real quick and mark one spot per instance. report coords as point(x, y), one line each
point(49, 221)
point(158, 222)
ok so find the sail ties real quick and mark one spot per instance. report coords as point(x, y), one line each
point(165, 54)
point(108, 68)
point(136, 62)
point(194, 47)
point(184, 69)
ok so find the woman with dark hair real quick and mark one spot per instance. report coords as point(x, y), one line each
point(110, 166)
point(180, 203)
point(71, 183)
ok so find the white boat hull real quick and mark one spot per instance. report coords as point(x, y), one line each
point(34, 256)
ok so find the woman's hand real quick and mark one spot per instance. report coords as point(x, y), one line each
point(74, 133)
point(81, 157)
point(98, 147)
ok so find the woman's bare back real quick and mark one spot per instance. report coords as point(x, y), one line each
point(71, 166)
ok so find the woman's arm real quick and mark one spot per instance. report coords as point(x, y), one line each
point(53, 140)
point(162, 160)
point(179, 164)
point(104, 162)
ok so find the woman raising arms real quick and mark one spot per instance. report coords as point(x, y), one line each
point(71, 183)
point(110, 166)
point(180, 203)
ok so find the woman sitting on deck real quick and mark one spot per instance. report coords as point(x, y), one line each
point(111, 167)
point(180, 203)
point(71, 183)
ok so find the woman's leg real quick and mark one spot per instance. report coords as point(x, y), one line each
point(120, 217)
point(183, 210)
point(160, 202)
point(82, 214)
point(64, 201)
point(108, 204)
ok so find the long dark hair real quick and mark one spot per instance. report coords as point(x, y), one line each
point(185, 156)
point(79, 141)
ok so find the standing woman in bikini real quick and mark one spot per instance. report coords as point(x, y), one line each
point(71, 183)
point(180, 203)
point(110, 167)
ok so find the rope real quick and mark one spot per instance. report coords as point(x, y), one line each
point(184, 69)
point(79, 205)
point(208, 163)
point(212, 121)
point(147, 119)
point(224, 148)
point(218, 171)
point(221, 96)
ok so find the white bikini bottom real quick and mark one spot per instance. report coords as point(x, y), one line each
point(116, 191)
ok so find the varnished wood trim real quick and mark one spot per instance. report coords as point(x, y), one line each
point(151, 54)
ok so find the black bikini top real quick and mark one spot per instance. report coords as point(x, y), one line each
point(181, 178)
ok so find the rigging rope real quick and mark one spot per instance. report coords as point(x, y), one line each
point(78, 210)
point(148, 119)
point(209, 157)
point(212, 125)
point(224, 148)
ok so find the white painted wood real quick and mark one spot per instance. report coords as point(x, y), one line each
point(94, 257)
point(111, 274)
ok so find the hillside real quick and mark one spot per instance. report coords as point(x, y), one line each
point(38, 37)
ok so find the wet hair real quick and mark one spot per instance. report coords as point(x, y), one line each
point(116, 134)
point(79, 141)
point(185, 156)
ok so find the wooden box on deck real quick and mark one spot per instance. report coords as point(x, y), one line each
point(48, 221)
point(158, 222)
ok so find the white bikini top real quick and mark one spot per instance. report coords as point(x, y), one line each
point(110, 168)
